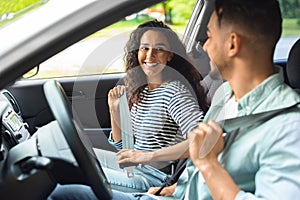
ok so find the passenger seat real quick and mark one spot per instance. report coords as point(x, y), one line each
point(211, 78)
point(293, 67)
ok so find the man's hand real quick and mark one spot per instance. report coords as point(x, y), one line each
point(134, 156)
point(206, 143)
point(167, 191)
point(205, 146)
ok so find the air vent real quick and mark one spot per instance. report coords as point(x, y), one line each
point(12, 101)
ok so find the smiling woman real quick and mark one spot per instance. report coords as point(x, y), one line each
point(165, 100)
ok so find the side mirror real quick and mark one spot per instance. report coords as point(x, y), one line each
point(31, 73)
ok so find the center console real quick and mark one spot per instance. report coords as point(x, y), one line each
point(13, 129)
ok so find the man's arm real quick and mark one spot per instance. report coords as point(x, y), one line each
point(218, 180)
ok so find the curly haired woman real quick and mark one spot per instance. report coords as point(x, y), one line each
point(165, 100)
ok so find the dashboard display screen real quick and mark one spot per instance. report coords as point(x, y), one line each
point(15, 121)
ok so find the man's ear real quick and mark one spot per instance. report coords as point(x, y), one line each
point(170, 57)
point(233, 44)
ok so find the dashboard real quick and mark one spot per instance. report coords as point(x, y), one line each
point(13, 128)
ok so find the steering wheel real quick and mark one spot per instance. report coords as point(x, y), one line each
point(91, 168)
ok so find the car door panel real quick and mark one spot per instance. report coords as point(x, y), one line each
point(30, 98)
point(87, 95)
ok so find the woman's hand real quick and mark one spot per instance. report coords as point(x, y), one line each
point(167, 191)
point(134, 156)
point(114, 109)
point(114, 97)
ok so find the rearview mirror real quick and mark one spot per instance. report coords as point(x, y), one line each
point(31, 73)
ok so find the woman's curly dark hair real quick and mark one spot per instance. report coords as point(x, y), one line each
point(179, 68)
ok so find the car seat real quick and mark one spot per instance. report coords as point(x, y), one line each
point(201, 59)
point(293, 67)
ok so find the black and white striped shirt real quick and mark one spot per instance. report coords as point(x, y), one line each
point(163, 117)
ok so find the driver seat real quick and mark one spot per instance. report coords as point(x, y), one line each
point(293, 67)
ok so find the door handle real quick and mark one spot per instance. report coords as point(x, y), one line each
point(75, 95)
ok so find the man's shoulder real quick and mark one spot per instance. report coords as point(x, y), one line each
point(281, 129)
point(280, 97)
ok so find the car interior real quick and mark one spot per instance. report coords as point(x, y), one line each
point(50, 126)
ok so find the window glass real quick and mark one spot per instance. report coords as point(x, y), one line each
point(290, 10)
point(11, 10)
point(102, 52)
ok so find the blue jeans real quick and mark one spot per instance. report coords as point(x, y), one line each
point(83, 192)
point(145, 176)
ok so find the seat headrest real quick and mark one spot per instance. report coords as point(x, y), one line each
point(293, 66)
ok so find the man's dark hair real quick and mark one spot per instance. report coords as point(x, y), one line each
point(259, 18)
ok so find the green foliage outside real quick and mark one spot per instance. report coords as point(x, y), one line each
point(291, 27)
point(12, 9)
point(290, 8)
point(181, 10)
point(13, 6)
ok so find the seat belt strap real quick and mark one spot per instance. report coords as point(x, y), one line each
point(126, 124)
point(233, 125)
point(253, 120)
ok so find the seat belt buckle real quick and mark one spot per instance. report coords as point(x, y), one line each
point(130, 172)
point(128, 167)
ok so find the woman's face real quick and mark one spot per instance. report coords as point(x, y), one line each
point(154, 54)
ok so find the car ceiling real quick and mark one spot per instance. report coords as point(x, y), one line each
point(20, 52)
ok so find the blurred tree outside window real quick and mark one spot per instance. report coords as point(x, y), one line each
point(290, 10)
point(12, 9)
